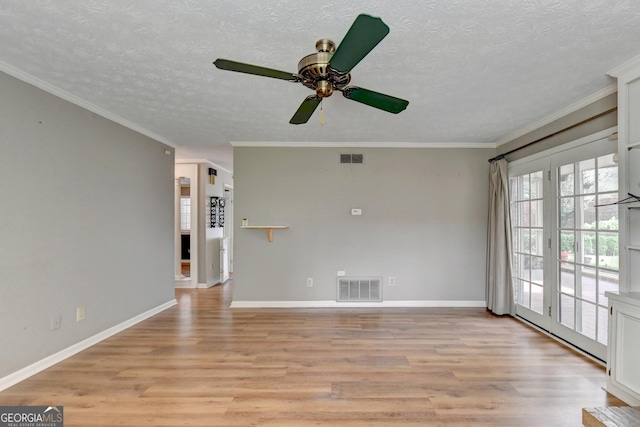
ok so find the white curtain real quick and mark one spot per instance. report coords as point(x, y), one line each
point(500, 293)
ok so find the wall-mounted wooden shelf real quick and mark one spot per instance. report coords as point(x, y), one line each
point(268, 228)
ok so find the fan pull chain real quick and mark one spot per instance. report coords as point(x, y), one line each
point(321, 114)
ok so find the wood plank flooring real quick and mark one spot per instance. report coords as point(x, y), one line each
point(201, 363)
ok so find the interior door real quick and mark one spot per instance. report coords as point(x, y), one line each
point(224, 259)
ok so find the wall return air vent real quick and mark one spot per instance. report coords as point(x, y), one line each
point(352, 158)
point(359, 289)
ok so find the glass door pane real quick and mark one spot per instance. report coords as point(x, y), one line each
point(587, 247)
point(529, 243)
point(565, 241)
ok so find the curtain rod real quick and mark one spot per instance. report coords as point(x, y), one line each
point(503, 155)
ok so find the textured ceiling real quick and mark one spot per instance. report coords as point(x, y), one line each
point(474, 71)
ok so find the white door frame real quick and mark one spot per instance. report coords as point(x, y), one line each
point(228, 222)
point(190, 171)
point(549, 160)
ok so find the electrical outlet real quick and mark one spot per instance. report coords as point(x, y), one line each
point(81, 313)
point(55, 323)
point(392, 281)
point(309, 282)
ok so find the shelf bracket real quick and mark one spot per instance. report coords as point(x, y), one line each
point(269, 234)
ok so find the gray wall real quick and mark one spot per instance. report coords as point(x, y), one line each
point(424, 222)
point(86, 218)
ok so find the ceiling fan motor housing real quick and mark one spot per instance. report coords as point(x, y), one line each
point(318, 75)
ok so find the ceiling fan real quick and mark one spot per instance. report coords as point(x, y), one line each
point(328, 69)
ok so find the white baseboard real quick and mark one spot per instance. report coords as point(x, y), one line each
point(621, 394)
point(335, 304)
point(184, 284)
point(208, 285)
point(28, 371)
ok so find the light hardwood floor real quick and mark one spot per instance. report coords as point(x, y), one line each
point(201, 363)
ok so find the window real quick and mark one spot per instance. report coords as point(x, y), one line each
point(185, 213)
point(527, 216)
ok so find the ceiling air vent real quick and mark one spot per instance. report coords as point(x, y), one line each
point(359, 289)
point(352, 158)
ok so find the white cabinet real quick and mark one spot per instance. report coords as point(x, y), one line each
point(623, 351)
point(628, 76)
point(623, 362)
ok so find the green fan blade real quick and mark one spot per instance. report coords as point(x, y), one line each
point(374, 99)
point(305, 110)
point(365, 33)
point(225, 64)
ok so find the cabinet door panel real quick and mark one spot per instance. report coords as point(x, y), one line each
point(628, 354)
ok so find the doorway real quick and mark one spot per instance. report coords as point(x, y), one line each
point(565, 241)
point(186, 226)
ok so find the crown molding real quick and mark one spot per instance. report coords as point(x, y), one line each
point(198, 161)
point(364, 144)
point(60, 93)
point(622, 69)
point(603, 134)
point(613, 88)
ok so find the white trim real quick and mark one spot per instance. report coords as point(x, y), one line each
point(199, 161)
point(184, 284)
point(335, 304)
point(47, 362)
point(207, 286)
point(60, 93)
point(621, 394)
point(364, 144)
point(568, 146)
point(624, 68)
point(613, 88)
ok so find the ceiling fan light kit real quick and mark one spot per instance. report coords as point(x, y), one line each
point(329, 69)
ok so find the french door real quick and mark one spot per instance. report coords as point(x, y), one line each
point(565, 242)
point(529, 187)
